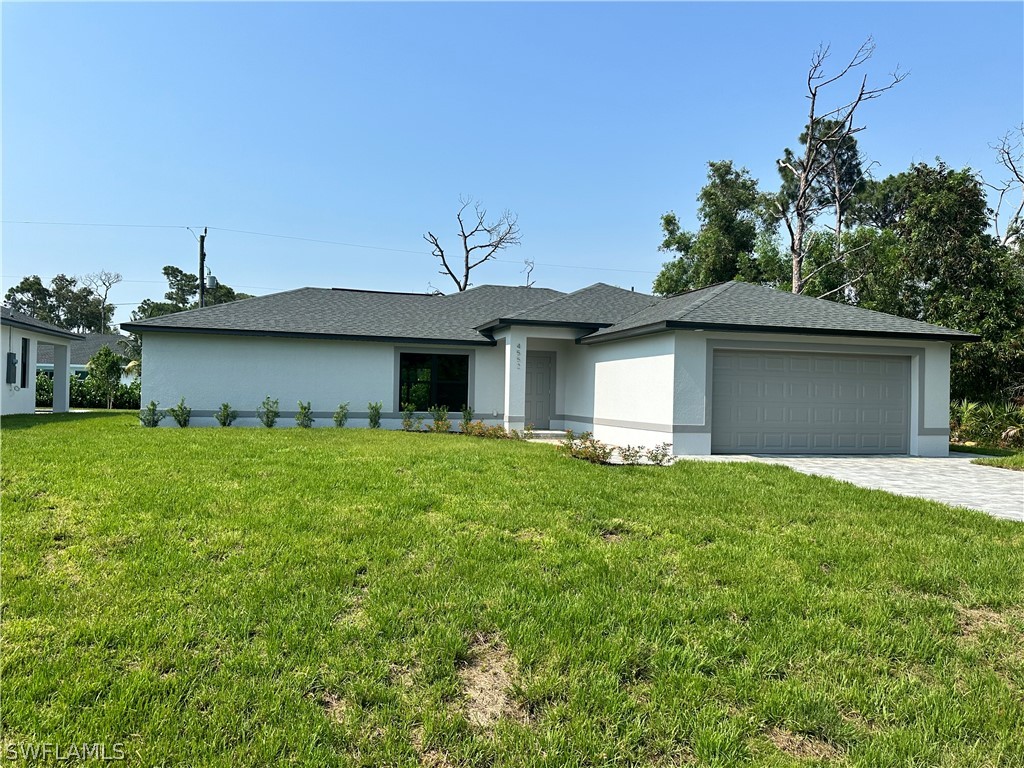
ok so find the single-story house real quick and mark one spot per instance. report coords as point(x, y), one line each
point(731, 368)
point(82, 352)
point(23, 336)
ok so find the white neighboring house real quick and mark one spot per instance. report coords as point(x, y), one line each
point(22, 336)
point(731, 368)
point(82, 352)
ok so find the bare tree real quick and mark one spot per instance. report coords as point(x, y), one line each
point(480, 241)
point(1010, 153)
point(100, 283)
point(812, 182)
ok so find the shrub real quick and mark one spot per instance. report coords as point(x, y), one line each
point(268, 411)
point(304, 418)
point(226, 415)
point(44, 391)
point(441, 421)
point(659, 454)
point(181, 413)
point(374, 409)
point(467, 417)
point(631, 455)
point(497, 432)
point(586, 447)
point(150, 416)
point(991, 424)
point(105, 369)
point(341, 415)
point(410, 421)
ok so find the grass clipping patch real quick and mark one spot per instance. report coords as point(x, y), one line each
point(486, 679)
point(802, 745)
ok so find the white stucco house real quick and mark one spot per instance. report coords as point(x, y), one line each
point(731, 368)
point(22, 337)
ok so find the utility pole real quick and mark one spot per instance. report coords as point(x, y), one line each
point(202, 268)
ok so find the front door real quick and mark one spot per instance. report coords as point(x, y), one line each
point(540, 378)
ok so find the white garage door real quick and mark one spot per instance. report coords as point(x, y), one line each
point(786, 402)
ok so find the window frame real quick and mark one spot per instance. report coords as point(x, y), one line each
point(26, 353)
point(434, 353)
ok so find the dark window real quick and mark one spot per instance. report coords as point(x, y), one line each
point(24, 362)
point(426, 380)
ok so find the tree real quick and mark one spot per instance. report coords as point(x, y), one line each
point(479, 243)
point(62, 303)
point(824, 176)
point(182, 294)
point(105, 368)
point(182, 286)
point(100, 283)
point(1010, 153)
point(731, 219)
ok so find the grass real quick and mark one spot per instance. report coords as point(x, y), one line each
point(994, 457)
point(247, 597)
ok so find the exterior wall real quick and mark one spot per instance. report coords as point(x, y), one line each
point(208, 370)
point(929, 406)
point(18, 399)
point(622, 391)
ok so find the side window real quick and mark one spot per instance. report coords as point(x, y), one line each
point(429, 379)
point(25, 344)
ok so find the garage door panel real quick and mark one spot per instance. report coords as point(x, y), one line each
point(782, 402)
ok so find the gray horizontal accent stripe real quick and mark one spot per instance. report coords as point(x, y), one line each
point(626, 424)
point(455, 416)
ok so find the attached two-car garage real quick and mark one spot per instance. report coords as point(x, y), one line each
point(809, 403)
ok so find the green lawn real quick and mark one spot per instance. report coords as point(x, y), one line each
point(244, 597)
point(995, 457)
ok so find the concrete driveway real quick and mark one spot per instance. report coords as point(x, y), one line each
point(953, 480)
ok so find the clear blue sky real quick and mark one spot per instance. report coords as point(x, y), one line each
point(364, 123)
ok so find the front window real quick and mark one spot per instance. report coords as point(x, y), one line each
point(426, 380)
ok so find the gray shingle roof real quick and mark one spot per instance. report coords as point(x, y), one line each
point(341, 313)
point(749, 307)
point(464, 318)
point(83, 350)
point(596, 305)
point(29, 323)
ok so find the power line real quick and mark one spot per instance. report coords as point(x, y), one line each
point(320, 241)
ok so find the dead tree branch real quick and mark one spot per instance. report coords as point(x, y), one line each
point(480, 240)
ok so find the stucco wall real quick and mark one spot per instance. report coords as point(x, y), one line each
point(17, 399)
point(208, 370)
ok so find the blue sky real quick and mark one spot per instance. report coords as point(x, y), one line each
point(363, 123)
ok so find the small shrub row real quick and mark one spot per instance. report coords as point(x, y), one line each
point(998, 424)
point(268, 412)
point(588, 448)
point(496, 432)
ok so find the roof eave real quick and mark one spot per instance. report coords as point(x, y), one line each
point(502, 322)
point(60, 333)
point(958, 337)
point(627, 333)
point(142, 328)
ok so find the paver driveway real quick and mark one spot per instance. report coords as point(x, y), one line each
point(953, 480)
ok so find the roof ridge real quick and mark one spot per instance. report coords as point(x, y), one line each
point(714, 291)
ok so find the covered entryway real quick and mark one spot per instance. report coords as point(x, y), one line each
point(779, 402)
point(540, 379)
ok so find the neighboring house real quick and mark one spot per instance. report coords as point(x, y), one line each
point(731, 368)
point(82, 352)
point(23, 336)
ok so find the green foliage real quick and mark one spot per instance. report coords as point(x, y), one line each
point(586, 447)
point(225, 415)
point(183, 293)
point(62, 303)
point(631, 454)
point(181, 413)
point(304, 417)
point(731, 214)
point(44, 391)
point(341, 415)
point(105, 369)
point(659, 454)
point(150, 416)
point(467, 417)
point(86, 393)
point(410, 421)
point(268, 411)
point(495, 432)
point(441, 421)
point(373, 410)
point(999, 424)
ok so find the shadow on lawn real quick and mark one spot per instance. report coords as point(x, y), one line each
point(29, 420)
